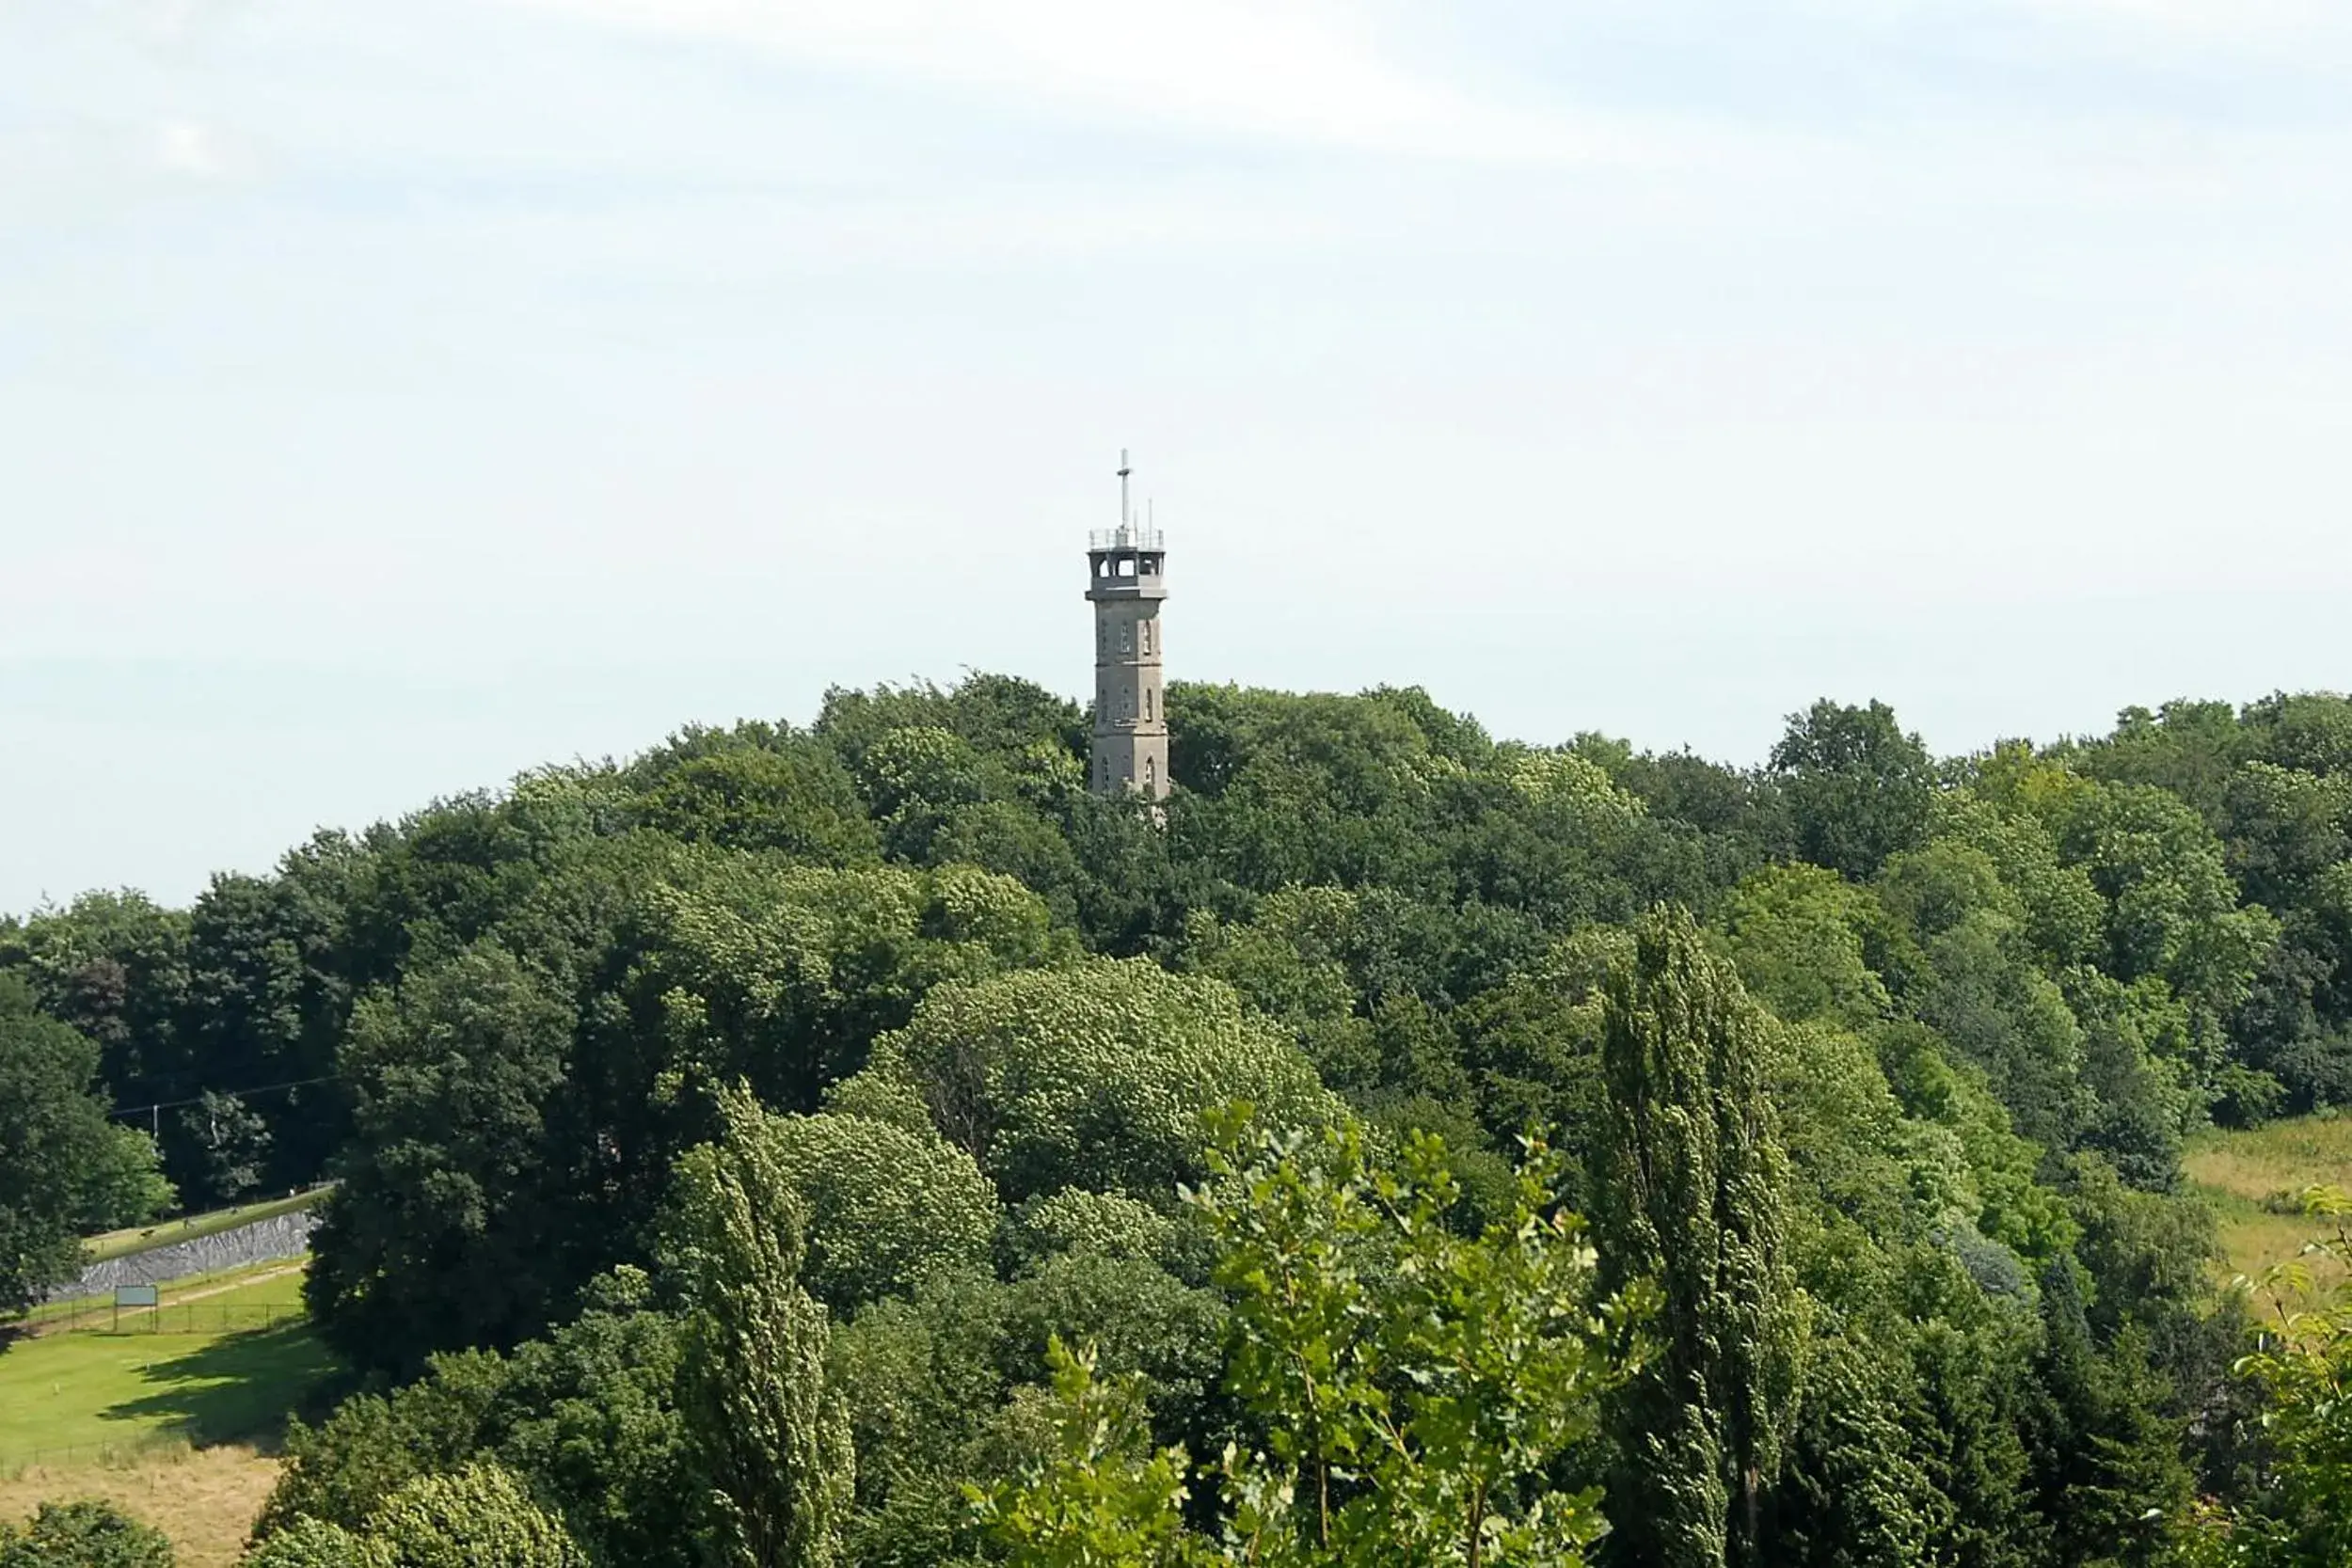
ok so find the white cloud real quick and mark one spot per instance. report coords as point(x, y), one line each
point(2308, 35)
point(1303, 72)
point(2238, 18)
point(75, 171)
point(184, 147)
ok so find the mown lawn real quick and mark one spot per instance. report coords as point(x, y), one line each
point(175, 1427)
point(2254, 1177)
point(90, 1392)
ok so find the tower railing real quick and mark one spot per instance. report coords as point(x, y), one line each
point(1126, 537)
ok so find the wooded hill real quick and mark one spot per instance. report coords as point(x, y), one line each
point(1870, 1070)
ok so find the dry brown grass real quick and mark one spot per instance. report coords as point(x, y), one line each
point(2276, 1161)
point(204, 1499)
point(2254, 1178)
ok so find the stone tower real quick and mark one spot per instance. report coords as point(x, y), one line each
point(1127, 579)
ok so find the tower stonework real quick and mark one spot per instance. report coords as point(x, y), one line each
point(1127, 581)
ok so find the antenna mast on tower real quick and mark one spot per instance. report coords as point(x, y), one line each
point(1123, 471)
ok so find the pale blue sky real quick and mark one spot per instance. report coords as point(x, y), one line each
point(394, 397)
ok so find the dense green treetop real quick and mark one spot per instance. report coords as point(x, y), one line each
point(65, 1169)
point(1886, 1103)
point(1092, 1076)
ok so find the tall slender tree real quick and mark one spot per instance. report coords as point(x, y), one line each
point(771, 1439)
point(1691, 1187)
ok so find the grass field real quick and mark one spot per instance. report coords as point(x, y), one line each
point(203, 1498)
point(121, 1243)
point(92, 1391)
point(2253, 1180)
point(176, 1427)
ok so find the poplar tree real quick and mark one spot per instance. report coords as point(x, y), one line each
point(1691, 1185)
point(771, 1437)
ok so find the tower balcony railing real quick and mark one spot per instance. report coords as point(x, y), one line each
point(1125, 537)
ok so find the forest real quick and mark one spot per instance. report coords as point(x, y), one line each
point(857, 1144)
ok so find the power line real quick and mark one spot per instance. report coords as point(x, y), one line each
point(160, 1106)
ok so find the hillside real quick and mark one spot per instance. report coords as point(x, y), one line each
point(892, 1033)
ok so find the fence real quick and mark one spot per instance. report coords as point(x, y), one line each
point(15, 1461)
point(185, 1317)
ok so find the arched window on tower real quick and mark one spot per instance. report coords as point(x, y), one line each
point(1151, 776)
point(1146, 704)
point(1126, 635)
point(1147, 637)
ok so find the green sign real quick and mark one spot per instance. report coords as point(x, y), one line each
point(134, 1295)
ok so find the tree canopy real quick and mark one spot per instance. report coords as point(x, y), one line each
point(754, 1149)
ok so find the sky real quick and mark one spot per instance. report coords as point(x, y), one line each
point(396, 398)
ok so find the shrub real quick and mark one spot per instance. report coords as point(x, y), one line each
point(479, 1517)
point(86, 1534)
point(314, 1544)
